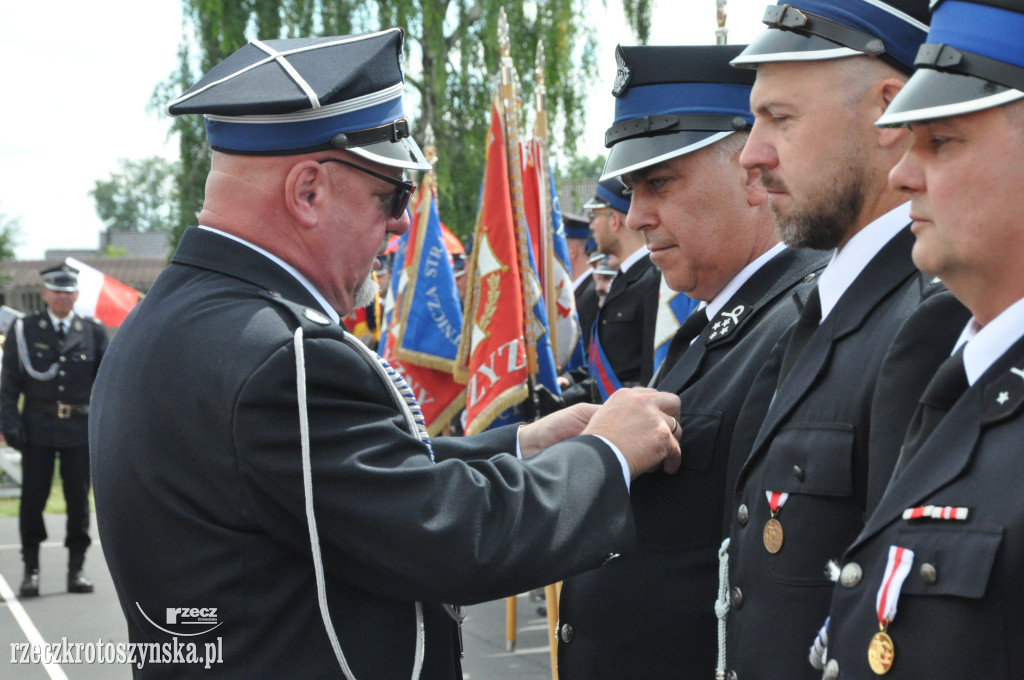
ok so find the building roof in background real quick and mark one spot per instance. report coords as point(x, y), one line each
point(137, 272)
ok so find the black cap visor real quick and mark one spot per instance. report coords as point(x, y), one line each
point(774, 44)
point(637, 153)
point(931, 94)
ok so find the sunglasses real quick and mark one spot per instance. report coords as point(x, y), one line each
point(400, 196)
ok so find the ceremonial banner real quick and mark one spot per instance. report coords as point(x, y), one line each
point(492, 358)
point(102, 296)
point(673, 308)
point(566, 335)
point(424, 317)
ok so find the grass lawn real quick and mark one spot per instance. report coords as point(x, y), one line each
point(54, 505)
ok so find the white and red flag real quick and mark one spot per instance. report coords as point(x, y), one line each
point(101, 296)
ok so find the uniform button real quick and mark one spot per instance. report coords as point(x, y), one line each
point(808, 278)
point(731, 675)
point(63, 358)
point(62, 373)
point(831, 670)
point(798, 473)
point(928, 573)
point(566, 633)
point(742, 515)
point(737, 598)
point(60, 388)
point(851, 575)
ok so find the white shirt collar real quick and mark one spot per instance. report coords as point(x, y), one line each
point(582, 277)
point(715, 306)
point(635, 257)
point(66, 320)
point(288, 268)
point(985, 344)
point(848, 263)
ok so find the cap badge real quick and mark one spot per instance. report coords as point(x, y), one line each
point(622, 73)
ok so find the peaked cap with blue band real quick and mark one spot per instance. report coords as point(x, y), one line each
point(576, 226)
point(973, 60)
point(816, 30)
point(610, 193)
point(279, 97)
point(672, 100)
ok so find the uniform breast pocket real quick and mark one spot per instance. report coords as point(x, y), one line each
point(813, 463)
point(700, 433)
point(624, 315)
point(950, 560)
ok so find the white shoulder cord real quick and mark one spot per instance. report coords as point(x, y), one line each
point(26, 362)
point(722, 605)
point(314, 538)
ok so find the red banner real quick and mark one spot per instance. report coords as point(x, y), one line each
point(492, 357)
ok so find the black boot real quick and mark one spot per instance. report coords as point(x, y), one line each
point(77, 582)
point(30, 583)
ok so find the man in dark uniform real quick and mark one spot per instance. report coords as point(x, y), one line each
point(621, 351)
point(931, 587)
point(263, 475)
point(825, 72)
point(709, 230)
point(577, 236)
point(50, 359)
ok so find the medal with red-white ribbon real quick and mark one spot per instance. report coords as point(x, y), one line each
point(881, 651)
point(772, 535)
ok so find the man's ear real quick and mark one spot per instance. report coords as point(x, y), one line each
point(304, 186)
point(888, 136)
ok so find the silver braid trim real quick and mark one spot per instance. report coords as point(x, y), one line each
point(26, 362)
point(722, 605)
point(314, 536)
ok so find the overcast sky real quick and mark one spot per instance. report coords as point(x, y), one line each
point(77, 78)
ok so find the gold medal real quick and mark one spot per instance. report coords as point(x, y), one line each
point(881, 653)
point(773, 536)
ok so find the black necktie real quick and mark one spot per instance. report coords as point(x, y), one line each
point(810, 319)
point(61, 335)
point(691, 328)
point(946, 386)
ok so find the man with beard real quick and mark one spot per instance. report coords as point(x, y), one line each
point(258, 464)
point(849, 373)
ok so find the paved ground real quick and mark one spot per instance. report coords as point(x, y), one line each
point(93, 618)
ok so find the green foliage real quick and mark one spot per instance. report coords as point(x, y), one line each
point(114, 251)
point(581, 167)
point(451, 62)
point(638, 16)
point(141, 197)
point(10, 235)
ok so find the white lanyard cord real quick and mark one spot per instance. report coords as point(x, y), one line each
point(314, 538)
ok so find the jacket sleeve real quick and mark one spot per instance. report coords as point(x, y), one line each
point(393, 522)
point(12, 380)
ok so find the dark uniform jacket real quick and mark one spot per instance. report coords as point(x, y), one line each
point(626, 322)
point(648, 614)
point(76, 365)
point(586, 307)
point(814, 445)
point(959, 612)
point(195, 437)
